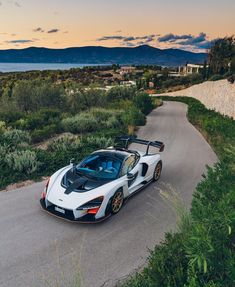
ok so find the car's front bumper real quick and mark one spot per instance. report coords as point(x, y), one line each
point(69, 215)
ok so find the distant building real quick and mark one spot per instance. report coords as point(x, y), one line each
point(125, 70)
point(189, 69)
point(151, 84)
point(128, 83)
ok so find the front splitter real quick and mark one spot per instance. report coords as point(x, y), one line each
point(86, 219)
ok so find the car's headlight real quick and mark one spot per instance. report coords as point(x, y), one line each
point(44, 193)
point(93, 206)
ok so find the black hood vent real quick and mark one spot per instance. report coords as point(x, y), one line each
point(75, 182)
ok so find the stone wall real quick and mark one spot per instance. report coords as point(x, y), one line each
point(217, 95)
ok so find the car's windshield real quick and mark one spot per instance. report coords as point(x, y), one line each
point(100, 166)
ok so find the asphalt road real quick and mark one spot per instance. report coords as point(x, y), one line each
point(37, 249)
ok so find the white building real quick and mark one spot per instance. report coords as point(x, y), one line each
point(189, 69)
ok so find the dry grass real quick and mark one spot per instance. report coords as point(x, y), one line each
point(175, 201)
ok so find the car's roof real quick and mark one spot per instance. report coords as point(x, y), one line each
point(118, 153)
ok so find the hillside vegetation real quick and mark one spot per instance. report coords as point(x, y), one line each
point(201, 253)
point(77, 121)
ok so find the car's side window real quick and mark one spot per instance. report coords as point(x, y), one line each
point(128, 164)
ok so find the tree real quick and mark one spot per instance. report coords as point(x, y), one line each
point(232, 66)
point(221, 54)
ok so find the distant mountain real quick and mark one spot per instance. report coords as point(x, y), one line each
point(102, 55)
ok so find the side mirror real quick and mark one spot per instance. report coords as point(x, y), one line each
point(72, 161)
point(130, 176)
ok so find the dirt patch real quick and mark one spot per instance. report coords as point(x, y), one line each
point(21, 184)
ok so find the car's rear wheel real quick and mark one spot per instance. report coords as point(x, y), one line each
point(117, 202)
point(157, 171)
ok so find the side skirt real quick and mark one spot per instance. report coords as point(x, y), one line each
point(138, 190)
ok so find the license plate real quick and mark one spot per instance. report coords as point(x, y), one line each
point(61, 210)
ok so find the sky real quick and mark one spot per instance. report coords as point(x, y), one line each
point(185, 24)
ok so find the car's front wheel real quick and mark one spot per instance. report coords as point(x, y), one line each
point(117, 202)
point(157, 171)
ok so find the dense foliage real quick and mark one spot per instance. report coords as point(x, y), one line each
point(202, 252)
point(74, 122)
point(222, 56)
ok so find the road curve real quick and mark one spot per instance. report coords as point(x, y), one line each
point(37, 249)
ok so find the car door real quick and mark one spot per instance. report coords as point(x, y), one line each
point(131, 171)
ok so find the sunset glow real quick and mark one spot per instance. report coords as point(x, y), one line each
point(189, 25)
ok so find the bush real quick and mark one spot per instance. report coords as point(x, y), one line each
point(134, 117)
point(44, 133)
point(10, 116)
point(95, 142)
point(40, 119)
point(143, 102)
point(22, 161)
point(95, 120)
point(64, 143)
point(3, 152)
point(216, 77)
point(84, 122)
point(166, 266)
point(16, 137)
point(231, 79)
point(2, 127)
point(120, 93)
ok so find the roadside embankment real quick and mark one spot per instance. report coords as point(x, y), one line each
point(218, 95)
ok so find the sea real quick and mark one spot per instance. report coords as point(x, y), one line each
point(23, 67)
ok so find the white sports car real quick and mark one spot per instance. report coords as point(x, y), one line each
point(99, 185)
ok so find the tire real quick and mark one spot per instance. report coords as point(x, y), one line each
point(157, 171)
point(117, 202)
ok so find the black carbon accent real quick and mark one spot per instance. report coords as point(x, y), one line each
point(145, 169)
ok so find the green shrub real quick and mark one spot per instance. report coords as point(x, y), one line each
point(167, 265)
point(83, 122)
point(44, 133)
point(216, 77)
point(16, 137)
point(39, 119)
point(3, 152)
point(120, 93)
point(10, 116)
point(64, 143)
point(2, 127)
point(143, 102)
point(22, 161)
point(134, 117)
point(96, 142)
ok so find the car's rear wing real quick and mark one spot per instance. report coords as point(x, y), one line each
point(128, 140)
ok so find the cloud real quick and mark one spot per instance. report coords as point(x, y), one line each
point(191, 42)
point(172, 38)
point(19, 41)
point(53, 31)
point(17, 4)
point(107, 38)
point(129, 41)
point(39, 29)
point(200, 42)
